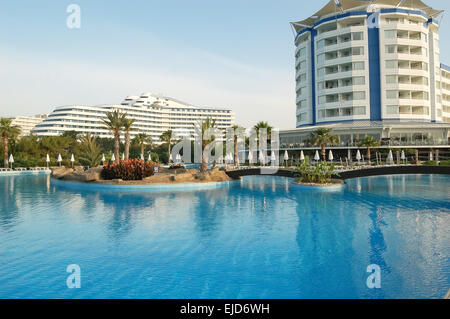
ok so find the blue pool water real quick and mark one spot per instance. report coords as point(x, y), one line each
point(258, 238)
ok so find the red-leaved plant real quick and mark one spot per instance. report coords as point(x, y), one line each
point(129, 170)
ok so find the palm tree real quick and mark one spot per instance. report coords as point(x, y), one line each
point(201, 128)
point(114, 123)
point(7, 131)
point(142, 140)
point(127, 126)
point(323, 137)
point(167, 138)
point(235, 143)
point(369, 142)
point(90, 151)
point(263, 125)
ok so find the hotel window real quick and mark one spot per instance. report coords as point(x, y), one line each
point(390, 49)
point(438, 99)
point(391, 79)
point(302, 78)
point(359, 95)
point(392, 94)
point(358, 65)
point(424, 37)
point(302, 117)
point(320, 44)
point(322, 99)
point(391, 64)
point(332, 112)
point(357, 36)
point(321, 58)
point(302, 52)
point(358, 51)
point(392, 109)
point(321, 72)
point(390, 34)
point(359, 80)
point(359, 110)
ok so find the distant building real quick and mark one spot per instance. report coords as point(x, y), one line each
point(154, 114)
point(371, 68)
point(27, 123)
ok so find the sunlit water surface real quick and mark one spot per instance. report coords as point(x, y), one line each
point(258, 238)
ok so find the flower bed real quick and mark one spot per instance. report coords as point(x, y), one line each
point(130, 170)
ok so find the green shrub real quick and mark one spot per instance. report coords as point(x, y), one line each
point(430, 163)
point(319, 174)
point(130, 170)
point(445, 163)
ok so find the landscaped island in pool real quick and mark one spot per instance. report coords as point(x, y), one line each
point(163, 177)
point(255, 238)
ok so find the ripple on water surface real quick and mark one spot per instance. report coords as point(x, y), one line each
point(258, 238)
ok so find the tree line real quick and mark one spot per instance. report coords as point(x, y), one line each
point(90, 150)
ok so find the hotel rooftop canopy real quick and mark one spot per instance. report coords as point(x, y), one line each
point(334, 7)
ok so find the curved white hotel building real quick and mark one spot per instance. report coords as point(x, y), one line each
point(371, 68)
point(153, 114)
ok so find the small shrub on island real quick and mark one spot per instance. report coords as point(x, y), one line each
point(445, 163)
point(320, 174)
point(430, 163)
point(129, 170)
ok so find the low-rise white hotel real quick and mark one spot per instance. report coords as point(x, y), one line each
point(371, 68)
point(153, 114)
point(27, 123)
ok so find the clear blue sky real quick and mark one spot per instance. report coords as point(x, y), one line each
point(234, 54)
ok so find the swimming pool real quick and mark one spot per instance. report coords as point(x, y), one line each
point(258, 238)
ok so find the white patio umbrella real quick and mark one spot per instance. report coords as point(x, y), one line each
point(390, 158)
point(261, 158)
point(59, 159)
point(431, 155)
point(47, 160)
point(113, 158)
point(403, 157)
point(317, 156)
point(170, 158)
point(220, 160)
point(103, 159)
point(149, 157)
point(123, 156)
point(11, 160)
point(349, 155)
point(330, 156)
point(178, 158)
point(273, 158)
point(250, 157)
point(302, 156)
point(142, 157)
point(72, 159)
point(286, 157)
point(358, 156)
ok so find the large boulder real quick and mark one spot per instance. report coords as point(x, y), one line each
point(77, 175)
point(93, 174)
point(60, 172)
